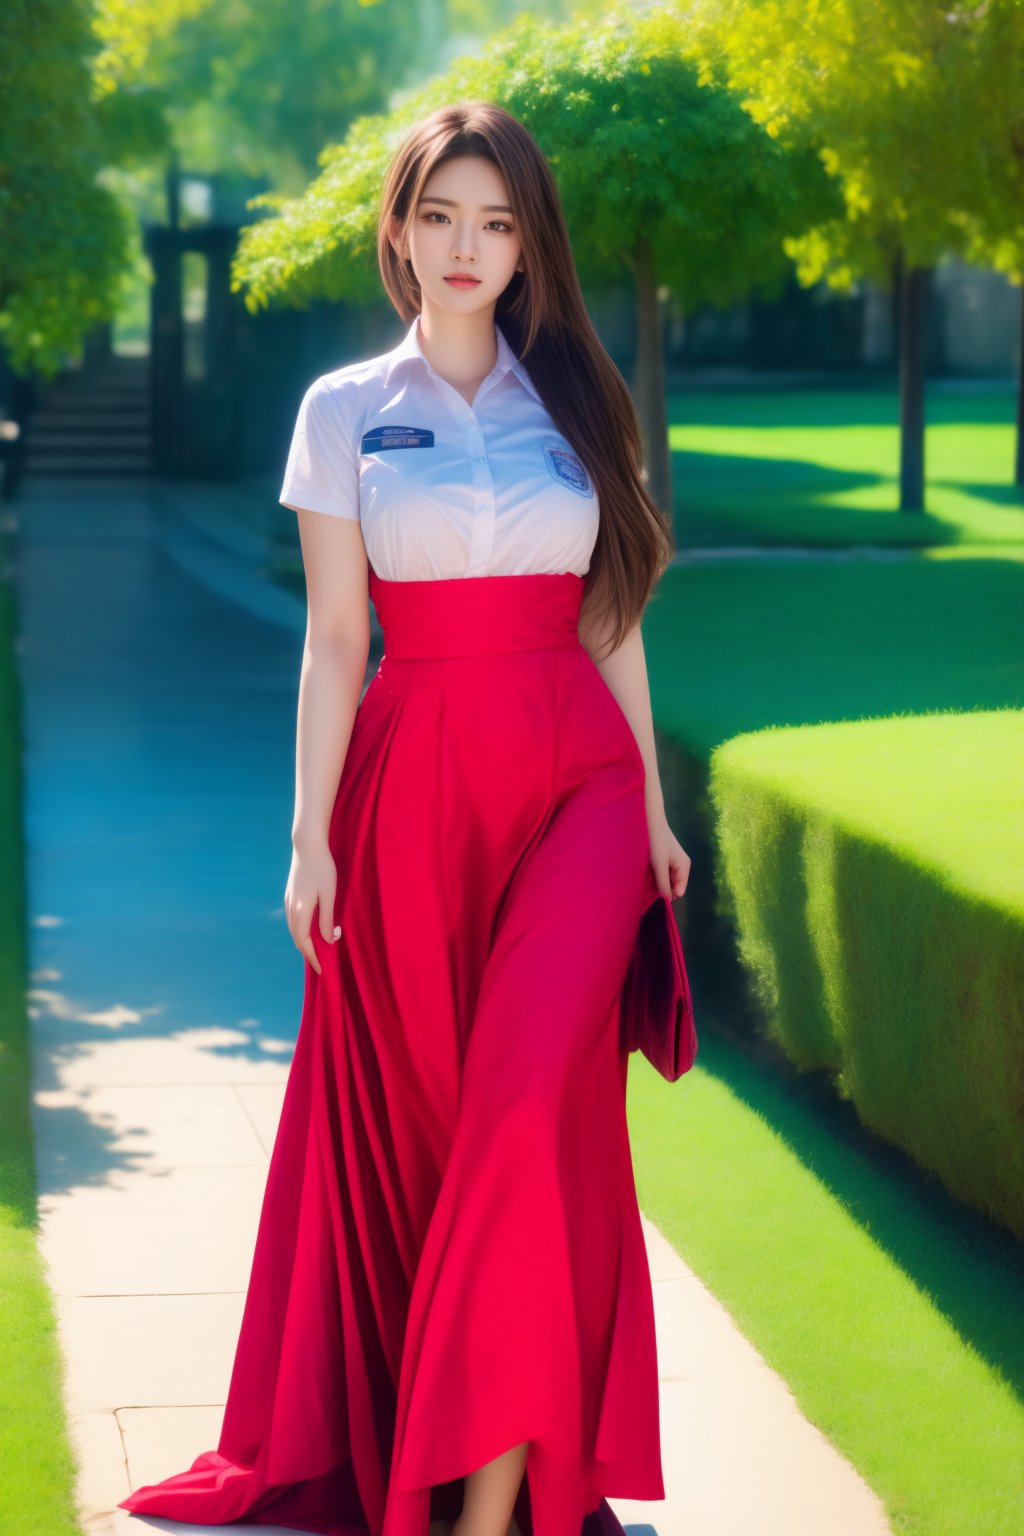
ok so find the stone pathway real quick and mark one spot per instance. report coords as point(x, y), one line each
point(160, 670)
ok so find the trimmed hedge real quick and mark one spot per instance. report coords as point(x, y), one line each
point(873, 872)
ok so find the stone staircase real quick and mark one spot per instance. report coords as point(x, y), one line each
point(93, 422)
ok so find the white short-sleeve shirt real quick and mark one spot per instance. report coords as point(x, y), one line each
point(442, 488)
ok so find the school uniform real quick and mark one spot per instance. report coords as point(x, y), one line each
point(450, 1259)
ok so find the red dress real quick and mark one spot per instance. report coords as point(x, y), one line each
point(450, 1259)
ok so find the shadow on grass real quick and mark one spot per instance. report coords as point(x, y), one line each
point(1010, 496)
point(972, 1268)
point(834, 475)
point(875, 404)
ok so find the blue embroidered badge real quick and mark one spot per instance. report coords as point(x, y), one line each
point(383, 439)
point(567, 468)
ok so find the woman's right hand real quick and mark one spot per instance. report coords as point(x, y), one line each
point(312, 882)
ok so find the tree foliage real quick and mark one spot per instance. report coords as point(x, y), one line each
point(642, 150)
point(896, 99)
point(99, 94)
point(993, 214)
point(257, 87)
point(65, 239)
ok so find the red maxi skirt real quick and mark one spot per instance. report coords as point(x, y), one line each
point(449, 1259)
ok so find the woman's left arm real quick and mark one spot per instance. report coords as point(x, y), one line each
point(625, 672)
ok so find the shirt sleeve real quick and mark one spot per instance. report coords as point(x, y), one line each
point(322, 472)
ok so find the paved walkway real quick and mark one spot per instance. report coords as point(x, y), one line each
point(160, 671)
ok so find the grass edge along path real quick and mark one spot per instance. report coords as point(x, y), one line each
point(37, 1489)
point(887, 1324)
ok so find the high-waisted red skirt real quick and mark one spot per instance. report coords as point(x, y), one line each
point(449, 1259)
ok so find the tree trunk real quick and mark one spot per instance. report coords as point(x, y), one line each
point(1018, 478)
point(649, 380)
point(896, 270)
point(915, 284)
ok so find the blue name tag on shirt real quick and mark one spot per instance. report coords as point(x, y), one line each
point(384, 439)
point(567, 467)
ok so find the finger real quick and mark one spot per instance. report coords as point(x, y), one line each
point(329, 930)
point(310, 953)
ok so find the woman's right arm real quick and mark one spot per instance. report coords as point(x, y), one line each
point(334, 664)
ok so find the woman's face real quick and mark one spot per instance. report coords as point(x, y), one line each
point(464, 224)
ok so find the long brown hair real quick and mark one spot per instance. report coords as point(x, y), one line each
point(545, 321)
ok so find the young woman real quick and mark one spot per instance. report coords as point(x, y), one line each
point(449, 1316)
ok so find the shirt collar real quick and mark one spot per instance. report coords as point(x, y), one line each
point(409, 349)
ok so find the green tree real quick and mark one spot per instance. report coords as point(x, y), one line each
point(99, 97)
point(889, 96)
point(252, 87)
point(665, 181)
point(65, 239)
point(993, 204)
point(257, 87)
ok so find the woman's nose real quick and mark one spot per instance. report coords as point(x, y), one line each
point(464, 244)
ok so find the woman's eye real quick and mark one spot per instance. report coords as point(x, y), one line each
point(434, 214)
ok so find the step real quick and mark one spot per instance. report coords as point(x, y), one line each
point(46, 441)
point(93, 400)
point(93, 464)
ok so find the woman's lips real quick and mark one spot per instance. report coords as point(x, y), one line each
point(463, 282)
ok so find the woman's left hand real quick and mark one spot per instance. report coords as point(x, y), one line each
point(669, 860)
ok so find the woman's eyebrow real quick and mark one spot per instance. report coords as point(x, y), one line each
point(484, 208)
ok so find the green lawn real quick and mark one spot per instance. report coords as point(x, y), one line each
point(37, 1484)
point(894, 1317)
point(893, 1314)
point(798, 467)
point(741, 643)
